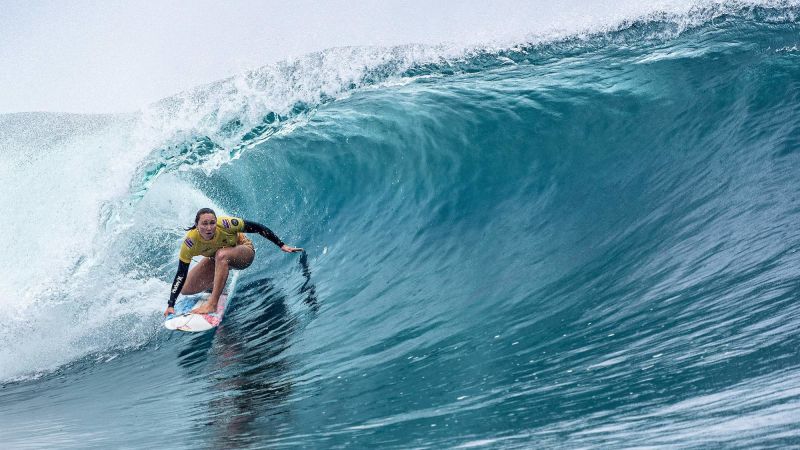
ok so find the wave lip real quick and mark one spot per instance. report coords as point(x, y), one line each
point(223, 117)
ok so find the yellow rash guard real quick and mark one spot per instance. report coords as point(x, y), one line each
point(227, 235)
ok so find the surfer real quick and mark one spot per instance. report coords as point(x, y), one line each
point(223, 243)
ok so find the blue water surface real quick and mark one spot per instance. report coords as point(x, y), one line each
point(590, 242)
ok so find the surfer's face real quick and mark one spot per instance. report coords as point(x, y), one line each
point(207, 225)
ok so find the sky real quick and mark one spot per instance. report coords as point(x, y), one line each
point(119, 56)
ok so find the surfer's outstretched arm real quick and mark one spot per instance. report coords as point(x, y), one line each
point(177, 285)
point(255, 227)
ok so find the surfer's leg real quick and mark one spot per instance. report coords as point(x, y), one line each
point(200, 278)
point(225, 259)
point(241, 256)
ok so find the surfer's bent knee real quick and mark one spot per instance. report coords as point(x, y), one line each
point(238, 257)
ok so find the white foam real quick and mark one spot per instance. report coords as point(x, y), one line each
point(78, 292)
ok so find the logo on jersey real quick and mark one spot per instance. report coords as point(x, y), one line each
point(226, 223)
point(177, 284)
point(188, 243)
point(235, 222)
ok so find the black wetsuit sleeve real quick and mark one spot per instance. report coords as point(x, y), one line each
point(255, 227)
point(177, 284)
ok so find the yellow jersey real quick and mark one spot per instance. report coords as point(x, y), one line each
point(227, 235)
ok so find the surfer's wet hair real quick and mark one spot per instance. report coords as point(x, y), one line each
point(200, 213)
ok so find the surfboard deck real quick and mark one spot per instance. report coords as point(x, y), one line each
point(184, 320)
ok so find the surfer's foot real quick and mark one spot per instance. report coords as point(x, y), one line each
point(205, 309)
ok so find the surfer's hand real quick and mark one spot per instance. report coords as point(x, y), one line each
point(289, 249)
point(170, 310)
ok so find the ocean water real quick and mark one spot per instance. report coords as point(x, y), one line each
point(587, 241)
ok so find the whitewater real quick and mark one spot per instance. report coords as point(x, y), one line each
point(586, 239)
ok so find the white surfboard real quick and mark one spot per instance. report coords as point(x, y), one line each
point(185, 320)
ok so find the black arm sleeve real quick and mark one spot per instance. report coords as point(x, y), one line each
point(177, 284)
point(254, 227)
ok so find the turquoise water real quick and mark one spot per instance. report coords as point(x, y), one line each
point(588, 242)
